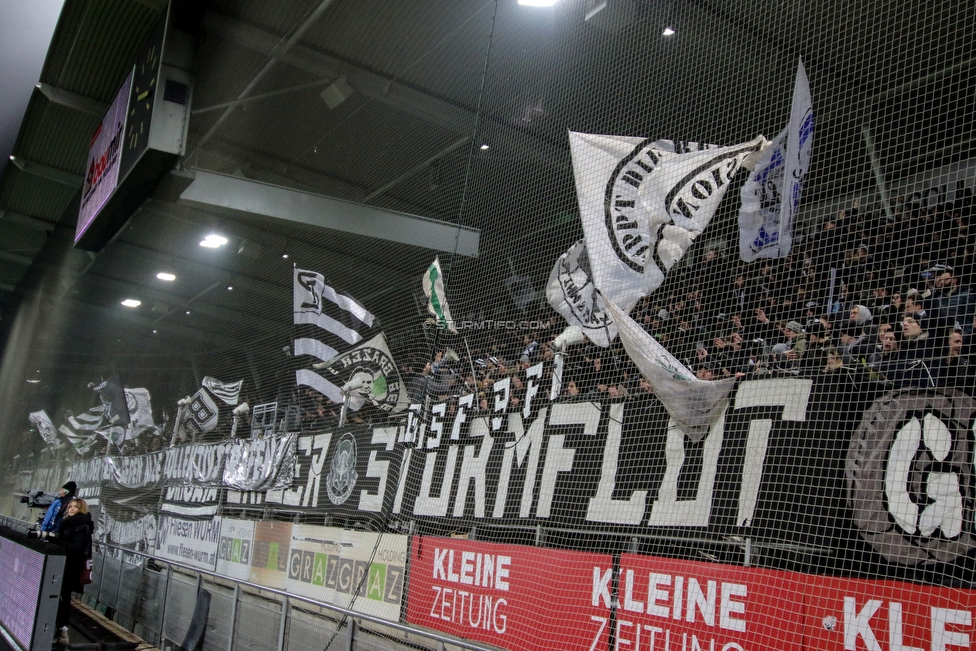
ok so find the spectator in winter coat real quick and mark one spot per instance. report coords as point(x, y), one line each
point(954, 369)
point(76, 539)
point(795, 344)
point(886, 354)
point(851, 338)
point(815, 357)
point(916, 341)
point(958, 304)
point(861, 315)
point(55, 512)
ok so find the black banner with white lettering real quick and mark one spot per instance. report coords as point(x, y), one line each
point(830, 467)
point(351, 472)
point(771, 466)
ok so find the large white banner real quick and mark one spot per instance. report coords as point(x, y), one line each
point(694, 404)
point(642, 204)
point(191, 542)
point(263, 464)
point(771, 195)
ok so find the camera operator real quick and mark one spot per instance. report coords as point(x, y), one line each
point(52, 518)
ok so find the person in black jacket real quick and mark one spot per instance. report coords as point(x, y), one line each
point(75, 537)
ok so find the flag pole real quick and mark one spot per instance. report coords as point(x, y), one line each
point(181, 407)
point(474, 375)
point(176, 425)
point(557, 375)
point(345, 409)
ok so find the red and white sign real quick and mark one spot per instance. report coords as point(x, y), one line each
point(859, 615)
point(519, 598)
point(671, 604)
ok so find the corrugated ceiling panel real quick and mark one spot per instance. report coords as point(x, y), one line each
point(55, 135)
point(19, 240)
point(34, 196)
point(345, 142)
point(94, 44)
point(11, 272)
point(278, 17)
point(440, 46)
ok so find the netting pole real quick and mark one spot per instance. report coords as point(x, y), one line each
point(345, 409)
point(557, 375)
point(101, 579)
point(281, 624)
point(162, 610)
point(747, 553)
point(118, 585)
point(351, 634)
point(233, 617)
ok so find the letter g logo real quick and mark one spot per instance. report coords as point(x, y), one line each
point(910, 476)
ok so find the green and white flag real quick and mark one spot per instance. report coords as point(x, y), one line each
point(436, 298)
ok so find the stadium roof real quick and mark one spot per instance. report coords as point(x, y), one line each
point(452, 111)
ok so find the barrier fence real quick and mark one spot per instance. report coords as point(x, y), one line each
point(490, 593)
point(157, 599)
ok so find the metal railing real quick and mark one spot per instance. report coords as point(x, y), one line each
point(155, 599)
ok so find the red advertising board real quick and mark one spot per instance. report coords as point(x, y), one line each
point(671, 605)
point(519, 598)
point(859, 615)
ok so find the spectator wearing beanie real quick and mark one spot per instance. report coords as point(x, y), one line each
point(795, 344)
point(55, 512)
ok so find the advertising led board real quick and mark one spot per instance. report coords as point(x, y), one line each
point(141, 137)
point(102, 168)
point(30, 581)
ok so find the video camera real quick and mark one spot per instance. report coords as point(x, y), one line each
point(37, 499)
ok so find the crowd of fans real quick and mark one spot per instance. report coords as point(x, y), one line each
point(874, 296)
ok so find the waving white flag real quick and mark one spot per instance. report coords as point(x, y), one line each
point(571, 293)
point(771, 195)
point(693, 404)
point(643, 202)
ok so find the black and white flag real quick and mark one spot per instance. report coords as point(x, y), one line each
point(80, 429)
point(643, 202)
point(367, 373)
point(771, 195)
point(45, 428)
point(228, 392)
point(112, 394)
point(327, 323)
point(197, 415)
